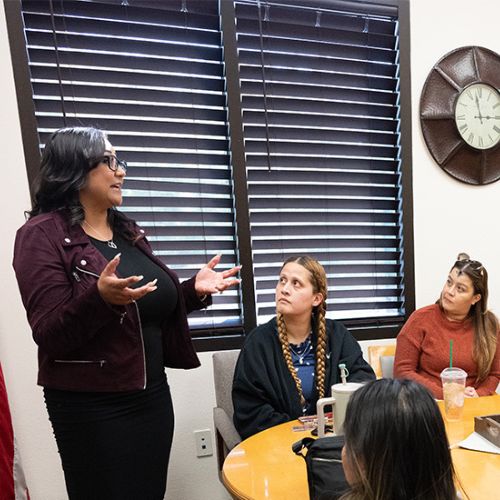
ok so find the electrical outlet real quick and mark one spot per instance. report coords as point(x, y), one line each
point(203, 441)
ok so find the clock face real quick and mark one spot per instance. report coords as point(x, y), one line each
point(460, 114)
point(477, 115)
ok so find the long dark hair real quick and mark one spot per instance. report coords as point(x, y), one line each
point(396, 444)
point(68, 156)
point(484, 321)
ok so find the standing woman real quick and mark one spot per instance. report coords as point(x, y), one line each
point(107, 316)
point(292, 361)
point(460, 315)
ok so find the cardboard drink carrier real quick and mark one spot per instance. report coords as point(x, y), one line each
point(488, 426)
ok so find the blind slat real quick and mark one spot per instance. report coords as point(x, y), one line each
point(152, 76)
point(320, 124)
point(322, 149)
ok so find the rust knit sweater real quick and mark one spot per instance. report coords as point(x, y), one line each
point(423, 351)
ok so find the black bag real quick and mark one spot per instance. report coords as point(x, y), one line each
point(325, 474)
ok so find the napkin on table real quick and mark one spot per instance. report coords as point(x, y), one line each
point(477, 442)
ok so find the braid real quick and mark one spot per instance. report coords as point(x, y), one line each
point(320, 349)
point(319, 282)
point(285, 348)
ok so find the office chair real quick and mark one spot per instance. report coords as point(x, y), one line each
point(381, 359)
point(226, 435)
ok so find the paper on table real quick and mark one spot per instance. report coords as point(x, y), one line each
point(477, 442)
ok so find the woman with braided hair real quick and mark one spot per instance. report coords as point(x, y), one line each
point(287, 364)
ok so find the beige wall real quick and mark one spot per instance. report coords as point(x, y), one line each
point(17, 351)
point(448, 217)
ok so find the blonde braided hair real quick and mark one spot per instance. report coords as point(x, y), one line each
point(318, 281)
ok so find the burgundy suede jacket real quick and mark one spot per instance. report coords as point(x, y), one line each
point(84, 343)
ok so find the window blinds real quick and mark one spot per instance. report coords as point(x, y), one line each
point(318, 85)
point(151, 75)
point(320, 104)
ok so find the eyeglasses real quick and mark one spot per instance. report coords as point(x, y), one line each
point(112, 162)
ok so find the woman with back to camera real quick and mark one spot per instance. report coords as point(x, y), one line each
point(461, 315)
point(287, 364)
point(395, 444)
point(107, 316)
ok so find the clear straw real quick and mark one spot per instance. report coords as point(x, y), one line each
point(451, 353)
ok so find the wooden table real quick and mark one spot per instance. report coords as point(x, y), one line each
point(479, 473)
point(264, 466)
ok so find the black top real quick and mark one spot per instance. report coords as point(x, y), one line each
point(155, 307)
point(264, 392)
point(134, 263)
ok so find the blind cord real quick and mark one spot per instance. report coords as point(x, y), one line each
point(58, 65)
point(264, 87)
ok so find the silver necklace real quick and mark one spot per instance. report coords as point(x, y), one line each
point(110, 243)
point(305, 352)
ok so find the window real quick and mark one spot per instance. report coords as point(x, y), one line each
point(152, 77)
point(260, 131)
point(320, 100)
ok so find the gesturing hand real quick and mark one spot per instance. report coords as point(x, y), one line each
point(209, 281)
point(116, 290)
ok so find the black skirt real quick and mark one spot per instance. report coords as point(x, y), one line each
point(113, 446)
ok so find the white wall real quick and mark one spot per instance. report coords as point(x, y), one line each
point(192, 478)
point(448, 217)
point(17, 351)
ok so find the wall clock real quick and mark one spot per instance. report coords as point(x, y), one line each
point(460, 114)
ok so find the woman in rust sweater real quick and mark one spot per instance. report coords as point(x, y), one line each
point(461, 315)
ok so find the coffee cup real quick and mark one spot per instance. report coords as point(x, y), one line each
point(338, 401)
point(453, 380)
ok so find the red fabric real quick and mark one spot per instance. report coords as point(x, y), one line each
point(423, 351)
point(6, 445)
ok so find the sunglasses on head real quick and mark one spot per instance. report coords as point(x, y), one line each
point(475, 265)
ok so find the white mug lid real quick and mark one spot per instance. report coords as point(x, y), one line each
point(347, 387)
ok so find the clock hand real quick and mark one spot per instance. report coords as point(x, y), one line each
point(479, 111)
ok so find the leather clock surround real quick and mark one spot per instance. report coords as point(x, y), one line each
point(448, 78)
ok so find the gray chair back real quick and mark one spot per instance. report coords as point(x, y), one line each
point(387, 366)
point(224, 363)
point(227, 436)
